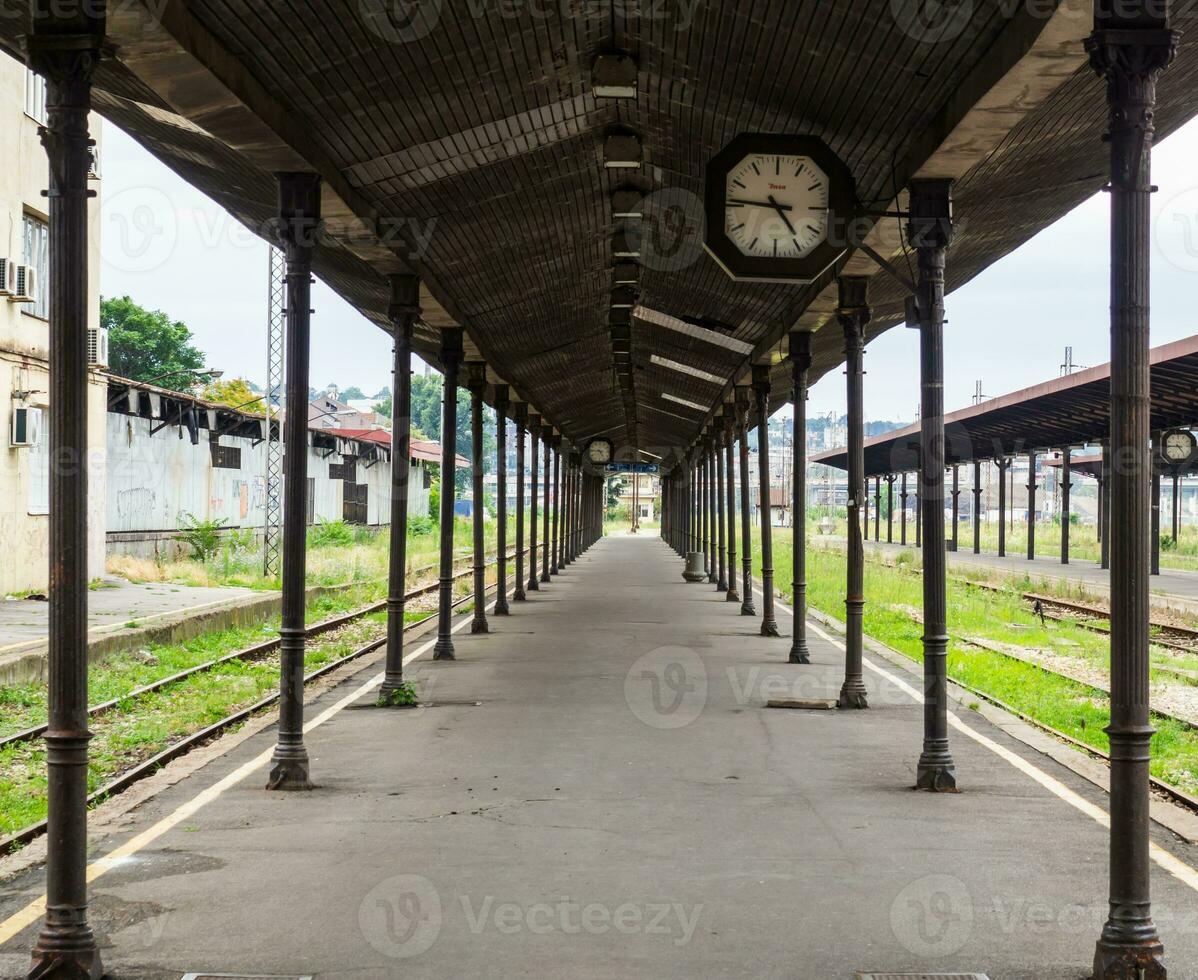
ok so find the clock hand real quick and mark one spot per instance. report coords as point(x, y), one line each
point(762, 204)
point(782, 213)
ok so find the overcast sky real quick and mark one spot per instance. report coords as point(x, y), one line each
point(169, 247)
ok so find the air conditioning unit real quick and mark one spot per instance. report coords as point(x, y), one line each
point(8, 272)
point(26, 427)
point(97, 347)
point(24, 285)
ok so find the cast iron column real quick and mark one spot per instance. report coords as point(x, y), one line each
point(930, 230)
point(1130, 50)
point(554, 539)
point(977, 507)
point(854, 315)
point(919, 509)
point(890, 509)
point(567, 509)
point(1175, 502)
point(903, 500)
point(1104, 507)
point(534, 432)
point(521, 413)
point(477, 383)
point(956, 506)
point(65, 49)
point(451, 359)
point(733, 594)
point(761, 387)
point(800, 365)
point(1031, 506)
point(1154, 536)
point(717, 444)
point(501, 409)
point(404, 312)
point(546, 527)
point(1002, 506)
point(877, 507)
point(708, 514)
point(299, 218)
point(1066, 487)
point(747, 608)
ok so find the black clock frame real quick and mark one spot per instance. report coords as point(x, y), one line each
point(842, 207)
point(611, 451)
point(1175, 462)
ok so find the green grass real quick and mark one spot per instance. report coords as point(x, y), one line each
point(1071, 707)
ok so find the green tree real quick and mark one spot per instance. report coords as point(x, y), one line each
point(147, 344)
point(352, 392)
point(235, 392)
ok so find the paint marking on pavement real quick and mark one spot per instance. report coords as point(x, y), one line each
point(32, 912)
point(1174, 865)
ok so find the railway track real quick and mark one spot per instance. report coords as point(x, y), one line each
point(187, 743)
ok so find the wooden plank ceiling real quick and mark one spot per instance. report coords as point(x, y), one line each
point(485, 130)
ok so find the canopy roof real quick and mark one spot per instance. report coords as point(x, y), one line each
point(1069, 411)
point(467, 147)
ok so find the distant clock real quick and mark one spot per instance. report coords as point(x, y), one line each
point(599, 452)
point(1178, 446)
point(778, 208)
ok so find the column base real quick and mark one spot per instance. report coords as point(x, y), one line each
point(721, 586)
point(711, 578)
point(75, 964)
point(769, 628)
point(289, 770)
point(544, 576)
point(733, 595)
point(1137, 961)
point(747, 608)
point(936, 777)
point(501, 608)
point(480, 625)
point(533, 585)
point(799, 654)
point(519, 596)
point(444, 649)
point(852, 695)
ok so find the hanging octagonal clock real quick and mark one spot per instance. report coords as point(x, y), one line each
point(778, 208)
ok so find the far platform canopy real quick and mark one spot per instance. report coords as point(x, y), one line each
point(1070, 411)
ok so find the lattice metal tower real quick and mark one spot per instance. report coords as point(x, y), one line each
point(276, 316)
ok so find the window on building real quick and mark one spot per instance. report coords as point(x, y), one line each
point(35, 96)
point(39, 470)
point(347, 471)
point(226, 457)
point(35, 251)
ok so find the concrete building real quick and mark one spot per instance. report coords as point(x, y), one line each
point(173, 459)
point(24, 341)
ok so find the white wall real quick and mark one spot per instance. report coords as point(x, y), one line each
point(155, 480)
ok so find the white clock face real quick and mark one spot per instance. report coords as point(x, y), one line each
point(599, 452)
point(776, 206)
point(1178, 446)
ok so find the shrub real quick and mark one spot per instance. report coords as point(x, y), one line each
point(325, 534)
point(420, 525)
point(203, 537)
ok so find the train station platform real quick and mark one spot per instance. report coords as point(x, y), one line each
point(1173, 587)
point(596, 789)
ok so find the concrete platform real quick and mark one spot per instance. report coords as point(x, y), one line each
point(597, 790)
point(1173, 588)
point(123, 615)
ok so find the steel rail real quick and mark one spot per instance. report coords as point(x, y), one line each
point(254, 652)
point(189, 742)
